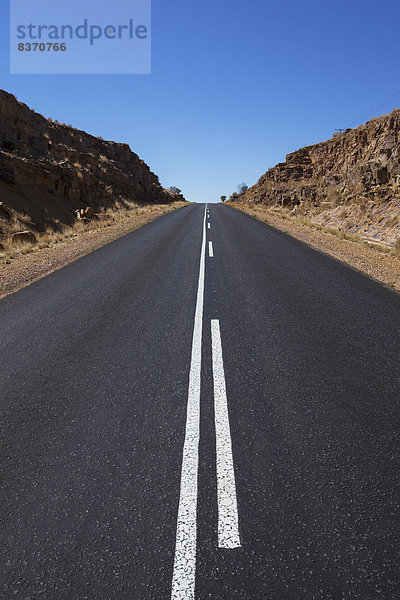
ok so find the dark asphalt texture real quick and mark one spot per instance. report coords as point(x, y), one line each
point(94, 366)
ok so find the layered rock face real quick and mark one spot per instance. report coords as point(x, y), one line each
point(358, 169)
point(49, 171)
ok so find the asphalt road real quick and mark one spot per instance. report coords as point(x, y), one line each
point(179, 426)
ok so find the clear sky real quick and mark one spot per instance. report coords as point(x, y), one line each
point(234, 87)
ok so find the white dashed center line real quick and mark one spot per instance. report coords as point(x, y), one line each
point(209, 226)
point(228, 520)
point(184, 574)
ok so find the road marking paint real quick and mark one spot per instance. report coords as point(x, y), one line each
point(228, 519)
point(209, 226)
point(184, 574)
point(210, 250)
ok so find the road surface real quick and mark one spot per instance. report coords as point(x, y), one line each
point(204, 408)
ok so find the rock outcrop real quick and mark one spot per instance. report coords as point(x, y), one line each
point(350, 182)
point(48, 171)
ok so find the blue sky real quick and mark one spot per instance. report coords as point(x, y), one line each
point(234, 87)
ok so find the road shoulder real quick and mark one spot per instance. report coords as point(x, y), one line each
point(23, 269)
point(381, 266)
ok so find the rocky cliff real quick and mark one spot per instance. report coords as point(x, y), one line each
point(48, 171)
point(350, 182)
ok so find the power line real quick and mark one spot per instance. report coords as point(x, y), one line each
point(358, 121)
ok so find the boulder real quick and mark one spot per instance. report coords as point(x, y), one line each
point(89, 212)
point(81, 215)
point(24, 237)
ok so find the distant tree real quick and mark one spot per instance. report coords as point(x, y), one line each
point(233, 196)
point(242, 188)
point(223, 198)
point(175, 190)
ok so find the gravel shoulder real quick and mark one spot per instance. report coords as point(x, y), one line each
point(23, 269)
point(377, 264)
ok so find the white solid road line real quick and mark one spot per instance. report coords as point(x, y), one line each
point(210, 250)
point(184, 574)
point(228, 520)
